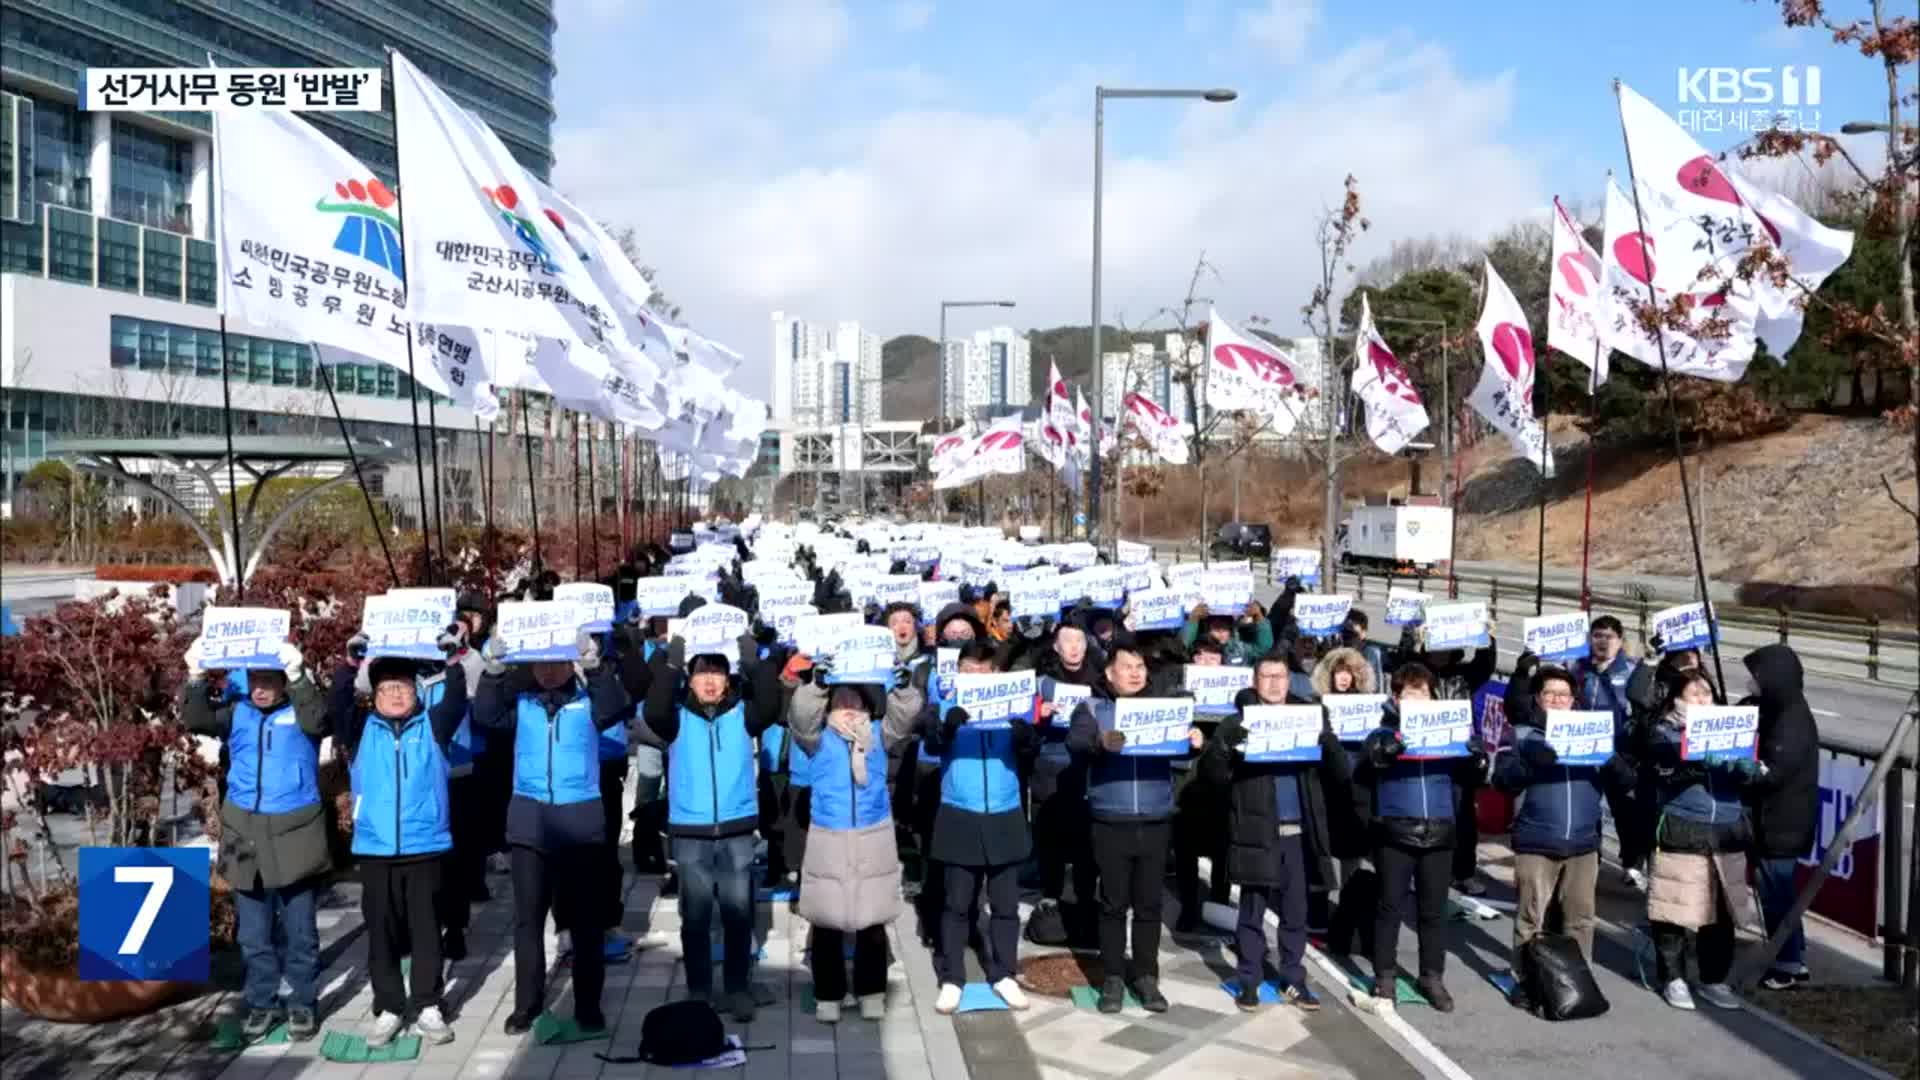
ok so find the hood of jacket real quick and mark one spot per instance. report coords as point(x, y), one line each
point(1776, 671)
point(1355, 661)
point(958, 610)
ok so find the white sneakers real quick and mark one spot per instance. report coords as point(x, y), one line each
point(1677, 994)
point(1367, 1002)
point(874, 1007)
point(1720, 996)
point(949, 1000)
point(383, 1027)
point(1635, 879)
point(1011, 993)
point(827, 1012)
point(431, 1026)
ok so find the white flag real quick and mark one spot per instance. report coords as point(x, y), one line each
point(1058, 430)
point(1504, 395)
point(1394, 412)
point(1718, 343)
point(1573, 305)
point(1812, 250)
point(1001, 449)
point(1159, 428)
point(950, 449)
point(1245, 373)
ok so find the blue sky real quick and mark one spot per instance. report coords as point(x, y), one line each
point(863, 160)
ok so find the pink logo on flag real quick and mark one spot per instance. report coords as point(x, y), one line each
point(1515, 348)
point(1000, 440)
point(1702, 177)
point(1248, 360)
point(1634, 253)
point(1570, 266)
point(1393, 378)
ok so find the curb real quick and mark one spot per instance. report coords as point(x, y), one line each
point(1775, 1021)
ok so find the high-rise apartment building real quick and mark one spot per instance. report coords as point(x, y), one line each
point(991, 370)
point(824, 375)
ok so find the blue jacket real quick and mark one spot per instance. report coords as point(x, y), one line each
point(1120, 787)
point(1705, 793)
point(1559, 805)
point(711, 784)
point(273, 767)
point(1410, 801)
point(467, 743)
point(556, 757)
point(400, 789)
point(1606, 691)
point(981, 767)
point(837, 802)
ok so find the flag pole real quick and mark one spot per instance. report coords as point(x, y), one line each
point(1593, 422)
point(233, 490)
point(488, 476)
point(579, 547)
point(353, 460)
point(1546, 450)
point(439, 509)
point(1673, 415)
point(593, 500)
point(533, 488)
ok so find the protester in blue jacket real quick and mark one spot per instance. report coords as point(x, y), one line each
point(398, 758)
point(954, 626)
point(1130, 799)
point(1601, 682)
point(1556, 834)
point(554, 712)
point(980, 832)
point(1412, 814)
point(709, 720)
point(273, 836)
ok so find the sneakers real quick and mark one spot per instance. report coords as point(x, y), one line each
point(1248, 999)
point(1720, 996)
point(1147, 989)
point(259, 1022)
point(1011, 993)
point(948, 1001)
point(827, 1012)
point(519, 1023)
point(1472, 886)
point(1113, 994)
point(1369, 1003)
point(302, 1023)
point(1677, 995)
point(1300, 997)
point(1435, 992)
point(382, 1028)
point(741, 1004)
point(453, 946)
point(1634, 879)
point(873, 1007)
point(430, 1026)
point(1775, 979)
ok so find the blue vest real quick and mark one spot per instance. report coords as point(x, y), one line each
point(837, 802)
point(400, 789)
point(556, 761)
point(468, 742)
point(272, 766)
point(773, 747)
point(980, 776)
point(799, 768)
point(710, 777)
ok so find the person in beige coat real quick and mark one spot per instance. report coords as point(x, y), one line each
point(850, 875)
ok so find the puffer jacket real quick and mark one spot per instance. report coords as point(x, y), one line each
point(1559, 804)
point(1785, 800)
point(850, 874)
point(1606, 690)
point(1249, 641)
point(1410, 802)
point(1121, 788)
point(1056, 771)
point(267, 844)
point(555, 735)
point(712, 789)
point(1253, 817)
point(1706, 794)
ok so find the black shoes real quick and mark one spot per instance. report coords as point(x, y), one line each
point(1147, 989)
point(453, 946)
point(1435, 991)
point(1248, 998)
point(519, 1023)
point(1113, 994)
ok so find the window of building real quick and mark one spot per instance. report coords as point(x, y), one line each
point(123, 349)
point(162, 260)
point(69, 245)
point(389, 380)
point(22, 247)
point(62, 155)
point(153, 345)
point(286, 363)
point(207, 355)
point(344, 377)
point(151, 175)
point(6, 155)
point(259, 360)
point(119, 255)
point(201, 288)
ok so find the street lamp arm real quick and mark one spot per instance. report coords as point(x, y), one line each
point(1217, 94)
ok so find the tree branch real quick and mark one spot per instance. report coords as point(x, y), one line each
point(1904, 508)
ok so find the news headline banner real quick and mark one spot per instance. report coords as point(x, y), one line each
point(1580, 736)
point(1436, 729)
point(1283, 733)
point(993, 700)
point(407, 622)
point(246, 638)
point(1557, 638)
point(1720, 732)
point(535, 630)
point(1153, 727)
point(230, 89)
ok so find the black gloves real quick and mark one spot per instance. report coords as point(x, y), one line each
point(1383, 748)
point(1476, 755)
point(1113, 741)
point(1231, 732)
point(1540, 754)
point(950, 724)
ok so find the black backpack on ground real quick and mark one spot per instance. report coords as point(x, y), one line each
point(1559, 980)
point(678, 1033)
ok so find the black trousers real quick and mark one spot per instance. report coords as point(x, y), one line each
point(1466, 833)
point(1061, 835)
point(1710, 948)
point(1427, 870)
point(552, 881)
point(613, 905)
point(1199, 829)
point(933, 876)
point(464, 878)
point(827, 957)
point(399, 899)
point(1133, 862)
point(1003, 924)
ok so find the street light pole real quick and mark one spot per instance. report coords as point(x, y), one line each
point(1100, 96)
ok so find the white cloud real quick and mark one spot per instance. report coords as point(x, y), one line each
point(925, 204)
point(1281, 28)
point(799, 37)
point(911, 15)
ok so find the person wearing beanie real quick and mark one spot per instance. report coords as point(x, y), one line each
point(1059, 787)
point(953, 627)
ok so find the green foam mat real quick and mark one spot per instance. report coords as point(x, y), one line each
point(1404, 992)
point(228, 1036)
point(340, 1046)
point(551, 1030)
point(1088, 997)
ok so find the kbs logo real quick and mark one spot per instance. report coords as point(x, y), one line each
point(1716, 99)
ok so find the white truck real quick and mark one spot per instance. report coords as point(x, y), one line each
point(1414, 540)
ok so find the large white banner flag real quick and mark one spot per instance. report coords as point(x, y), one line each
point(1058, 428)
point(1504, 395)
point(1573, 291)
point(482, 249)
point(1718, 339)
point(1394, 412)
point(1158, 427)
point(999, 449)
point(1245, 373)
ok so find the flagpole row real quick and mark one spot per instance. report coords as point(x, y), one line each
point(489, 476)
point(233, 489)
point(353, 459)
point(533, 486)
point(439, 489)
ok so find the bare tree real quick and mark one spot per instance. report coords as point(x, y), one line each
point(1337, 231)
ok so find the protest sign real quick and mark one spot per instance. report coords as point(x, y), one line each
point(661, 595)
point(934, 595)
point(1157, 609)
point(1068, 697)
point(993, 700)
point(595, 601)
point(1214, 687)
point(863, 655)
point(978, 575)
point(1354, 715)
point(1580, 737)
point(1076, 556)
point(1556, 638)
point(250, 637)
point(946, 664)
point(1435, 729)
point(1321, 615)
point(1129, 553)
point(813, 633)
point(407, 623)
point(1303, 563)
point(1456, 626)
point(782, 593)
point(785, 619)
point(1139, 577)
point(1104, 586)
point(679, 540)
point(896, 589)
point(1682, 627)
point(1405, 607)
point(1036, 598)
point(714, 628)
point(533, 630)
point(1283, 732)
point(1154, 727)
point(1226, 592)
point(1719, 732)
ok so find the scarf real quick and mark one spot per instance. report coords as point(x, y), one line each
point(859, 736)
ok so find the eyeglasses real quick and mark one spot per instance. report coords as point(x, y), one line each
point(1556, 695)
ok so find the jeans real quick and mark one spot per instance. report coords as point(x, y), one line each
point(1777, 893)
point(713, 870)
point(828, 960)
point(1428, 870)
point(1289, 899)
point(297, 956)
point(1133, 862)
point(559, 880)
point(1003, 924)
point(401, 902)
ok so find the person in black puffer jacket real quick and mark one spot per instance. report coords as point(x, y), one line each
point(1058, 791)
point(1785, 800)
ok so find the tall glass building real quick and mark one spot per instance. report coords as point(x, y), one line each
point(107, 266)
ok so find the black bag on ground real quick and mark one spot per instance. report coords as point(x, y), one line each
point(1350, 927)
point(678, 1033)
point(1559, 980)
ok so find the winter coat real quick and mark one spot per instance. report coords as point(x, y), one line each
point(712, 787)
point(980, 821)
point(1249, 641)
point(261, 848)
point(400, 768)
point(1706, 794)
point(1364, 680)
point(1682, 887)
point(1253, 832)
point(1606, 690)
point(1559, 804)
point(1056, 771)
point(850, 874)
point(556, 750)
point(1785, 801)
point(1410, 802)
point(1121, 788)
point(1350, 808)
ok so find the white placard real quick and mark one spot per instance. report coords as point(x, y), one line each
point(407, 622)
point(994, 699)
point(1558, 637)
point(1405, 607)
point(862, 654)
point(1720, 731)
point(595, 601)
point(1154, 727)
point(1320, 615)
point(534, 630)
point(1436, 729)
point(1214, 686)
point(1283, 733)
point(1456, 626)
point(1226, 591)
point(247, 637)
point(1129, 553)
point(812, 633)
point(1354, 715)
point(1580, 737)
point(1157, 609)
point(935, 595)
